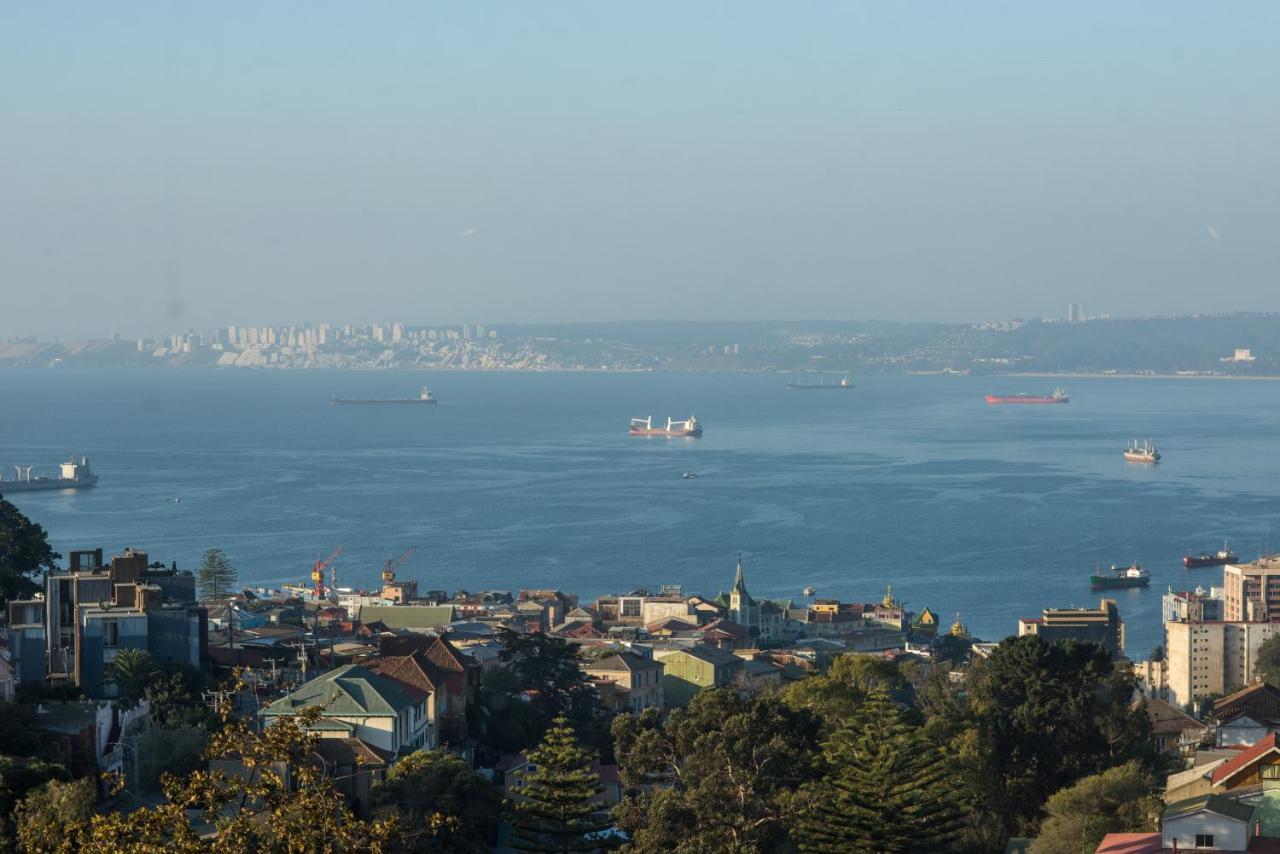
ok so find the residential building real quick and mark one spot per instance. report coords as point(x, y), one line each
point(417, 672)
point(359, 703)
point(1173, 730)
point(1251, 591)
point(1101, 625)
point(688, 671)
point(414, 618)
point(640, 678)
point(1248, 715)
point(1208, 822)
point(1245, 774)
point(456, 689)
point(1203, 659)
point(1193, 606)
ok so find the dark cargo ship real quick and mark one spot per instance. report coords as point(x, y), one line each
point(1221, 557)
point(1131, 576)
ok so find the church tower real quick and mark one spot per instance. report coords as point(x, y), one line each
point(743, 610)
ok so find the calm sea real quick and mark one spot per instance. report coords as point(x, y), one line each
point(530, 480)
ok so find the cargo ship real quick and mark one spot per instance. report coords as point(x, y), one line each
point(644, 427)
point(1144, 453)
point(1221, 557)
point(843, 385)
point(74, 475)
point(424, 397)
point(1130, 576)
point(1058, 396)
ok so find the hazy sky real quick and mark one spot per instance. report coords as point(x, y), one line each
point(167, 165)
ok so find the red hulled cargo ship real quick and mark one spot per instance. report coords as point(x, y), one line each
point(1222, 557)
point(644, 427)
point(1058, 396)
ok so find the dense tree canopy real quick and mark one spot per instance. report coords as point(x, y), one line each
point(1119, 800)
point(1046, 715)
point(730, 769)
point(440, 804)
point(25, 553)
point(1268, 661)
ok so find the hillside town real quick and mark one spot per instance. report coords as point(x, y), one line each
point(119, 674)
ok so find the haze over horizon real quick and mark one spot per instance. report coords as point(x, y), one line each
point(170, 166)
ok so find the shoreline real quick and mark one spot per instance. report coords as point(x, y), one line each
point(1106, 376)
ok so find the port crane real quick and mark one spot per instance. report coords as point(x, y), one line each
point(389, 573)
point(317, 572)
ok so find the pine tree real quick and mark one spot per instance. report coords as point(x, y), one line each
point(888, 789)
point(560, 811)
point(216, 575)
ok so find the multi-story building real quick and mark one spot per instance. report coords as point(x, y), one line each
point(1192, 606)
point(640, 677)
point(1211, 658)
point(91, 610)
point(1251, 591)
point(1101, 625)
point(688, 671)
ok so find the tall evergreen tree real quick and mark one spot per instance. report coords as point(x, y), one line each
point(560, 811)
point(216, 575)
point(887, 788)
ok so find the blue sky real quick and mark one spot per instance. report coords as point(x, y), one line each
point(170, 165)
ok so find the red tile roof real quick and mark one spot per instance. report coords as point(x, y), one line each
point(1236, 764)
point(1130, 843)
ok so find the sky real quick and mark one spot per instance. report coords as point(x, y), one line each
point(174, 165)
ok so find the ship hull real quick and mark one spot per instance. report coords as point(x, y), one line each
point(7, 486)
point(1199, 562)
point(393, 401)
point(794, 387)
point(1141, 458)
point(998, 399)
point(656, 431)
point(1102, 582)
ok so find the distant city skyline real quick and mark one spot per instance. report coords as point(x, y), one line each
point(198, 165)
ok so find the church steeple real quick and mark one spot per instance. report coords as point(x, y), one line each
point(740, 580)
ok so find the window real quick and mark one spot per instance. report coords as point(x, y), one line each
point(110, 633)
point(1204, 840)
point(1270, 772)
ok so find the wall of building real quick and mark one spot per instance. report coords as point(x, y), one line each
point(1228, 834)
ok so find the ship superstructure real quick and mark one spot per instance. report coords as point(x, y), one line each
point(690, 427)
point(73, 475)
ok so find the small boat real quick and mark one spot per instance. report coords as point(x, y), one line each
point(689, 475)
point(1221, 557)
point(1129, 576)
point(1144, 453)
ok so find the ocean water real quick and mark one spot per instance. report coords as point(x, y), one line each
point(530, 480)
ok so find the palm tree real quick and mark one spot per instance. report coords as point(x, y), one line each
point(130, 671)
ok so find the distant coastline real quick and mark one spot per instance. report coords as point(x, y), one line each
point(1079, 375)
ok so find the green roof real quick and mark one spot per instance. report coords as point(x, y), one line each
point(350, 691)
point(407, 616)
point(1220, 804)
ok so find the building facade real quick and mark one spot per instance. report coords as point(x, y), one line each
point(1251, 591)
point(1101, 625)
point(1203, 659)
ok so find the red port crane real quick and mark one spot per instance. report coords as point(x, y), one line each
point(317, 572)
point(389, 574)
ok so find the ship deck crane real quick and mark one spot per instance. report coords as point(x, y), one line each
point(317, 572)
point(389, 573)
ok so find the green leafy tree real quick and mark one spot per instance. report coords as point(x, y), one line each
point(887, 788)
point(243, 801)
point(25, 553)
point(216, 576)
point(725, 770)
point(836, 695)
point(131, 671)
point(175, 695)
point(1119, 800)
point(17, 779)
point(1046, 715)
point(440, 804)
point(1268, 661)
point(560, 808)
point(48, 816)
point(177, 750)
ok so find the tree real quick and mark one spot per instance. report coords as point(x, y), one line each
point(175, 695)
point(559, 809)
point(1046, 715)
point(440, 804)
point(131, 671)
point(177, 750)
point(887, 789)
point(17, 779)
point(245, 800)
point(24, 554)
point(1268, 661)
point(47, 816)
point(836, 695)
point(216, 576)
point(726, 770)
point(1119, 800)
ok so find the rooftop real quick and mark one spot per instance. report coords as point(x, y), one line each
point(352, 691)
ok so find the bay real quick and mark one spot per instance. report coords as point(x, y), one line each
point(530, 480)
